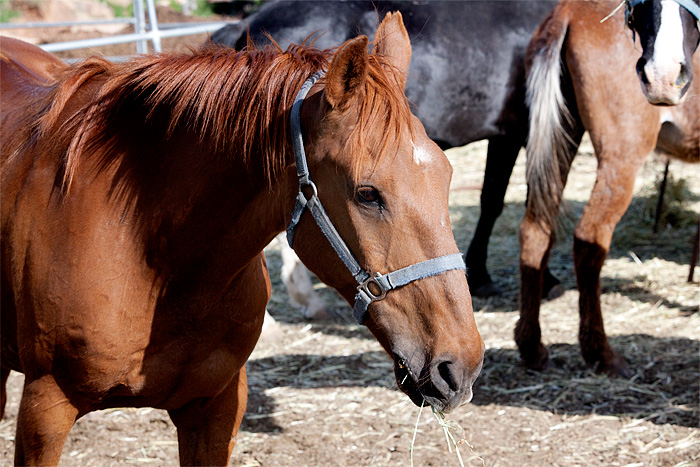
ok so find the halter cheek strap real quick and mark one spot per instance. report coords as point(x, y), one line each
point(371, 287)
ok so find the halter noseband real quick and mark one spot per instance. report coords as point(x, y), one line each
point(371, 287)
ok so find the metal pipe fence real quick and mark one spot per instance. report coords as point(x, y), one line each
point(143, 31)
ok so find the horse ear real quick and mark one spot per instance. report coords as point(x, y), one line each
point(392, 41)
point(347, 71)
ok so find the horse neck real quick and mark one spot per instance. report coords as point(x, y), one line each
point(217, 213)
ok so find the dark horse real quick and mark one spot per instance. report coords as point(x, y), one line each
point(582, 78)
point(466, 81)
point(137, 199)
point(669, 31)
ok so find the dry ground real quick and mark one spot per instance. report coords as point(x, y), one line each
point(323, 393)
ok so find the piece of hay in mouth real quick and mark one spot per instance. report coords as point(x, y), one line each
point(447, 426)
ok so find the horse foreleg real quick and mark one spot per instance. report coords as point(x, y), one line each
point(535, 245)
point(4, 374)
point(45, 418)
point(206, 429)
point(611, 195)
point(500, 159)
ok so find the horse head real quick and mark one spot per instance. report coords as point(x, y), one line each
point(669, 31)
point(384, 185)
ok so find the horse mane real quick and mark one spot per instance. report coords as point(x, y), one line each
point(239, 103)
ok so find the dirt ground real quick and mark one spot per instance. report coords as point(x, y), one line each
point(323, 393)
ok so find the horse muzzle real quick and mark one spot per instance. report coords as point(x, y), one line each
point(443, 382)
point(663, 85)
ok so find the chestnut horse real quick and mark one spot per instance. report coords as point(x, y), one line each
point(137, 199)
point(466, 81)
point(581, 77)
point(669, 31)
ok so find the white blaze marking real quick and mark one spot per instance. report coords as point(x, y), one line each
point(666, 116)
point(420, 154)
point(668, 48)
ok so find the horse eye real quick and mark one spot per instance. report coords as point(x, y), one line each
point(367, 194)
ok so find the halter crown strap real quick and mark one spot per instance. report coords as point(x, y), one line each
point(691, 6)
point(371, 288)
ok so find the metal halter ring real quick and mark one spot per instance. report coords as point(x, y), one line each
point(373, 281)
point(313, 187)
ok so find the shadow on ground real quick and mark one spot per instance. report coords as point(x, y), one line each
point(662, 390)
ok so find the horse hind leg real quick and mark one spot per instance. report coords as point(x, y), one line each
point(45, 418)
point(536, 241)
point(611, 195)
point(207, 428)
point(535, 246)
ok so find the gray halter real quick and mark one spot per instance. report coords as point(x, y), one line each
point(372, 287)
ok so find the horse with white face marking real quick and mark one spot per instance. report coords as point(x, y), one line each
point(581, 78)
point(669, 32)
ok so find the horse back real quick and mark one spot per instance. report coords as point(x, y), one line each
point(25, 70)
point(466, 79)
point(29, 60)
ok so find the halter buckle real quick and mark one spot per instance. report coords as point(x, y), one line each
point(372, 282)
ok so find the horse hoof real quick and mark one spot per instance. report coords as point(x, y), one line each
point(555, 292)
point(271, 330)
point(489, 289)
point(616, 369)
point(537, 360)
point(316, 314)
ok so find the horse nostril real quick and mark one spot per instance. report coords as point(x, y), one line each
point(447, 372)
point(641, 63)
point(682, 78)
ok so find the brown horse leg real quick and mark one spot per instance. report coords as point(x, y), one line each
point(500, 159)
point(595, 348)
point(44, 421)
point(4, 374)
point(535, 244)
point(206, 429)
point(609, 200)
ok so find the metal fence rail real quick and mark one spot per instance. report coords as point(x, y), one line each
point(143, 31)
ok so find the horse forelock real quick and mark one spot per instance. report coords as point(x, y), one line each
point(383, 116)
